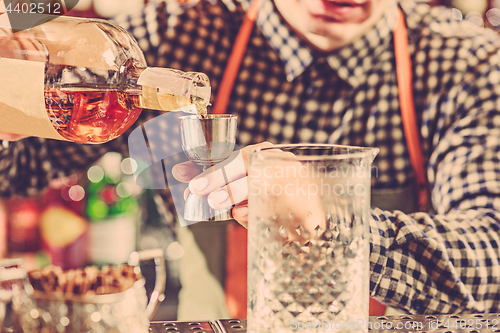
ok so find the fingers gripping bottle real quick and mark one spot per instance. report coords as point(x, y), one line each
point(85, 80)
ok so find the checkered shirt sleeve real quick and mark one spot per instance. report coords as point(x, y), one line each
point(448, 262)
point(287, 92)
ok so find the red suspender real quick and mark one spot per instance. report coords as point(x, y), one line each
point(235, 282)
point(234, 61)
point(407, 105)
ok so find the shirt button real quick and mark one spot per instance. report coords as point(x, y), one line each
point(419, 306)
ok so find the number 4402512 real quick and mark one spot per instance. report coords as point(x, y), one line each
point(476, 324)
point(35, 8)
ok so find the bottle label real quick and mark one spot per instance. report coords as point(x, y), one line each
point(22, 101)
point(152, 99)
point(166, 80)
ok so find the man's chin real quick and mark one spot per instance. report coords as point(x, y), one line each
point(330, 39)
point(325, 43)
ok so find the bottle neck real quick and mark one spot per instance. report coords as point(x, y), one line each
point(173, 90)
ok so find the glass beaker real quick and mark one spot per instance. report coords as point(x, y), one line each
point(308, 238)
point(13, 281)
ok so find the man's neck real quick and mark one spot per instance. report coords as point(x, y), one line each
point(323, 42)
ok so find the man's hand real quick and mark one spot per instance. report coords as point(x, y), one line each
point(11, 136)
point(302, 210)
point(22, 45)
point(212, 182)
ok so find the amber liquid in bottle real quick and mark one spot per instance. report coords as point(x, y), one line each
point(94, 116)
point(91, 116)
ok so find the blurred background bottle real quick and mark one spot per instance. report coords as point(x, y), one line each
point(3, 230)
point(63, 226)
point(113, 210)
point(23, 216)
point(48, 228)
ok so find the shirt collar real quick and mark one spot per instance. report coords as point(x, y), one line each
point(350, 62)
point(353, 61)
point(295, 53)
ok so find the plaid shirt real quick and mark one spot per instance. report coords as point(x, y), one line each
point(287, 92)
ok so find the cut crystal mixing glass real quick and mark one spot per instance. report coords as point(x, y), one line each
point(308, 238)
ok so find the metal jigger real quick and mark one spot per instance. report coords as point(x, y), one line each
point(206, 142)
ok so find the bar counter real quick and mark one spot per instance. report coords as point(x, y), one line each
point(457, 323)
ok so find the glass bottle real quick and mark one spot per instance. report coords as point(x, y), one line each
point(113, 210)
point(85, 80)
